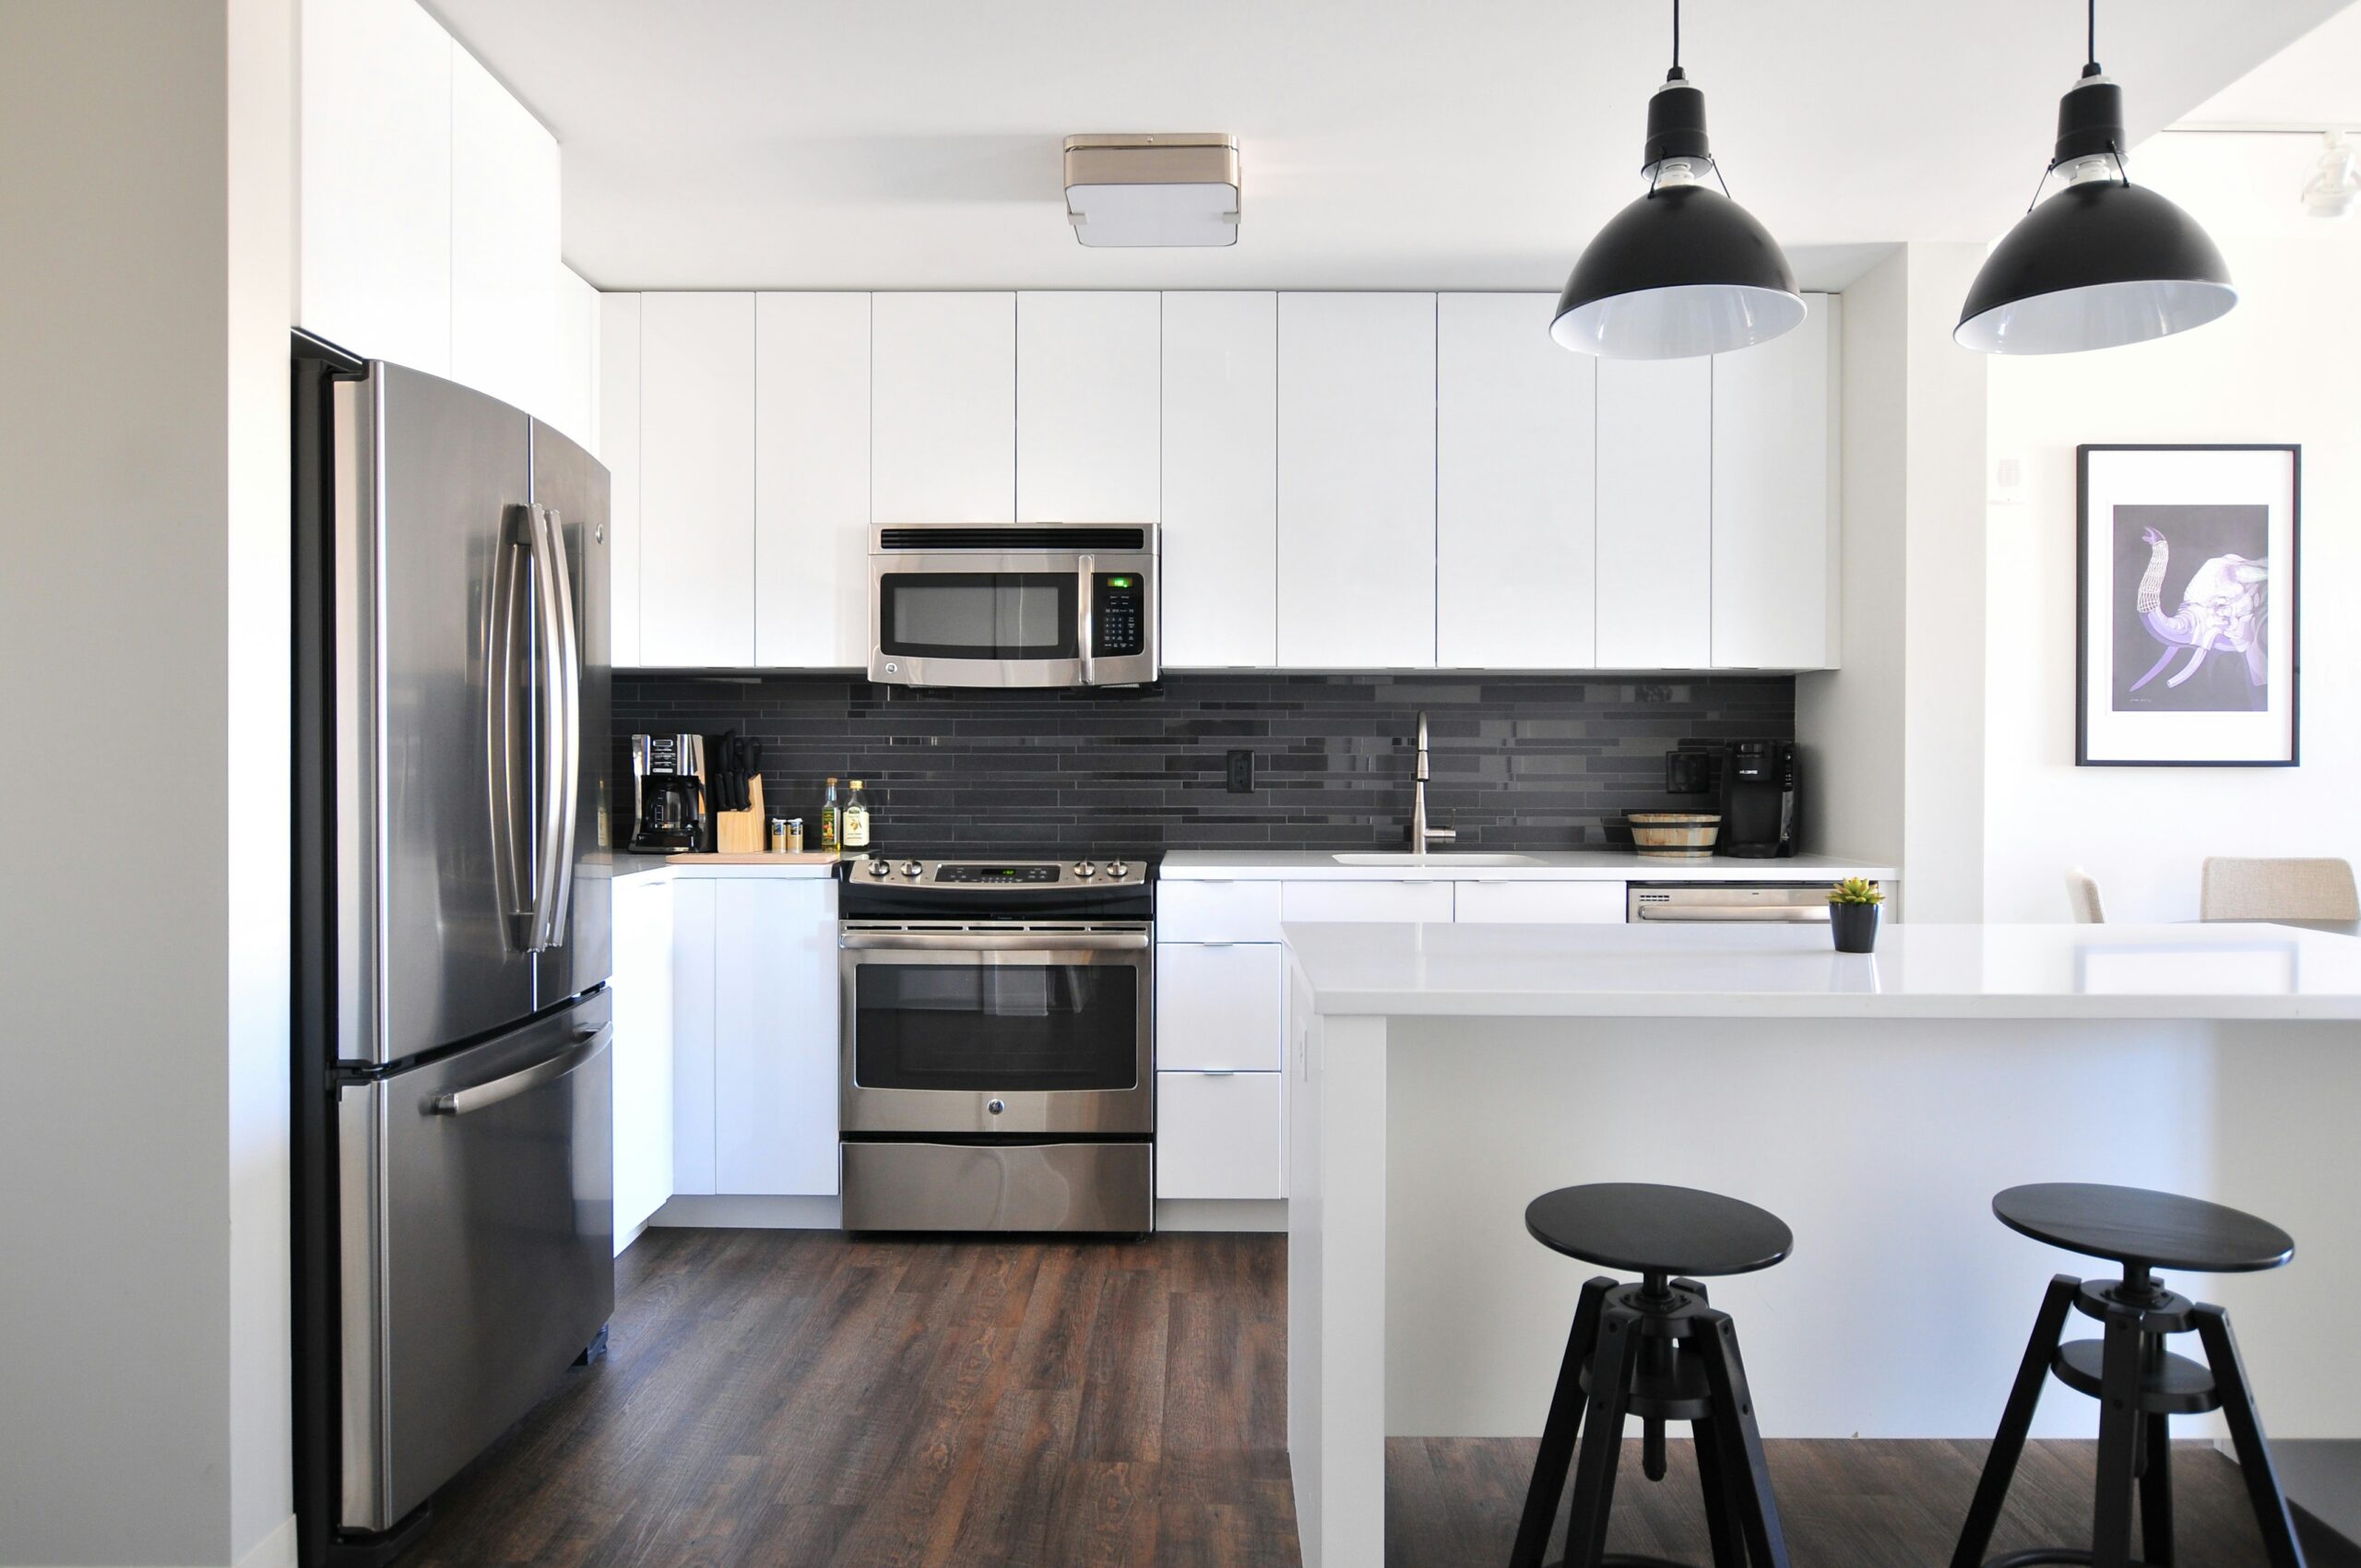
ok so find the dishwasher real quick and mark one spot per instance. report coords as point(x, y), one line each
point(1725, 903)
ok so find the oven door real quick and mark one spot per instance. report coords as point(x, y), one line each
point(1022, 1029)
point(1023, 618)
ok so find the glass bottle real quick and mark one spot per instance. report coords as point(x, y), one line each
point(856, 827)
point(829, 825)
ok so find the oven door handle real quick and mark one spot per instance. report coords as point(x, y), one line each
point(994, 941)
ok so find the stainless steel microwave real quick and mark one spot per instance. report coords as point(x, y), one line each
point(1025, 604)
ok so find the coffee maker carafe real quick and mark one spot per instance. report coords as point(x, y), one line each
point(671, 811)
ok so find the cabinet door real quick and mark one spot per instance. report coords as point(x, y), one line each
point(1538, 903)
point(503, 243)
point(375, 273)
point(1516, 446)
point(1415, 902)
point(1218, 1007)
point(1221, 416)
point(696, 491)
point(576, 395)
point(1357, 481)
point(943, 445)
point(1775, 523)
point(812, 481)
point(1656, 488)
point(693, 1038)
point(643, 1051)
point(774, 1038)
point(1219, 1136)
point(619, 449)
point(1087, 395)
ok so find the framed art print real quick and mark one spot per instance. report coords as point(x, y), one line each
point(2186, 640)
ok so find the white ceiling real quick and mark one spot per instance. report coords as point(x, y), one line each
point(1384, 143)
point(2314, 81)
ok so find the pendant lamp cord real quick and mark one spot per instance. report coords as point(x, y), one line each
point(2090, 55)
point(1676, 34)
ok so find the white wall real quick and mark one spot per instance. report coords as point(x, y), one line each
point(1892, 741)
point(2285, 365)
point(145, 167)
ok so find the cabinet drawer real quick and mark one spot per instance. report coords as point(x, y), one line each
point(1217, 911)
point(1427, 901)
point(1540, 903)
point(1219, 1136)
point(1218, 1008)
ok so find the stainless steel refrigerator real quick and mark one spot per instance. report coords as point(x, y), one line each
point(454, 1215)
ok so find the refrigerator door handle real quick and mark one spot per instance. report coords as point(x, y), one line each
point(505, 724)
point(553, 621)
point(548, 1070)
point(567, 802)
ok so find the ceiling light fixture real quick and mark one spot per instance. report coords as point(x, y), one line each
point(1683, 270)
point(1153, 190)
point(2335, 183)
point(2101, 263)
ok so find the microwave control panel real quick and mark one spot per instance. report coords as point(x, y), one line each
point(1119, 614)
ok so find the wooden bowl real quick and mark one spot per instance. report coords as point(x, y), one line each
point(1675, 835)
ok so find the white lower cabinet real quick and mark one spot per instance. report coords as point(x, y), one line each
point(1217, 1006)
point(754, 1035)
point(641, 1052)
point(1219, 1136)
point(1538, 903)
point(1417, 902)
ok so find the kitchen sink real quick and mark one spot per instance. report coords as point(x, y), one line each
point(1432, 858)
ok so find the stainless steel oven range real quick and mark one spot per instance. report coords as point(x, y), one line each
point(999, 1045)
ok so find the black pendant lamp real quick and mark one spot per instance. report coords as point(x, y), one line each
point(1683, 270)
point(2103, 262)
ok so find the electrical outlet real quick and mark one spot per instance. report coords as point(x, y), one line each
point(1242, 773)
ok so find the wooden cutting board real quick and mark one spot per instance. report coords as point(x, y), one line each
point(808, 858)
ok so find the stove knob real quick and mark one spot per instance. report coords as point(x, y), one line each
point(1085, 870)
point(1118, 870)
point(912, 869)
point(879, 868)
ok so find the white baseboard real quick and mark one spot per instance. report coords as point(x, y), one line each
point(735, 1212)
point(1237, 1214)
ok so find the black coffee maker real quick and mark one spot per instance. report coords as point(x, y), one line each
point(1756, 790)
point(671, 813)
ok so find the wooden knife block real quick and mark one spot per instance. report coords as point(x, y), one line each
point(741, 833)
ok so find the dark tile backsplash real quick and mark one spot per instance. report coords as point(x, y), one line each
point(1519, 761)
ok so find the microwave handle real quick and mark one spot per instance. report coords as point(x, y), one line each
point(1087, 579)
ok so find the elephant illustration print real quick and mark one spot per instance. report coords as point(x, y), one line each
point(2191, 628)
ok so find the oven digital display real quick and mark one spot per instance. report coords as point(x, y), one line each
point(1008, 875)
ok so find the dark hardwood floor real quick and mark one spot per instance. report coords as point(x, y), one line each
point(776, 1398)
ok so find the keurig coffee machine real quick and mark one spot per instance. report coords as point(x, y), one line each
point(1756, 788)
point(671, 811)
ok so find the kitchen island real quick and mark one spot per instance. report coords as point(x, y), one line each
point(1441, 1076)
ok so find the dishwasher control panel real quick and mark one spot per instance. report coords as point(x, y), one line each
point(1725, 903)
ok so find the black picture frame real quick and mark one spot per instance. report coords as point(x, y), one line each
point(2290, 576)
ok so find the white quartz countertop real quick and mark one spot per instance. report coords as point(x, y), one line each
point(1542, 866)
point(629, 867)
point(1918, 971)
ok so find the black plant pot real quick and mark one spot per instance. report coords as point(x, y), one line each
point(1855, 926)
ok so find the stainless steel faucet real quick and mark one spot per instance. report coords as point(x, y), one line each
point(1420, 834)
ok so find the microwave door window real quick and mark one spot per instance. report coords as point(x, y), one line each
point(996, 1028)
point(999, 615)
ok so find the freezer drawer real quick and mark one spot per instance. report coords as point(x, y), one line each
point(476, 1249)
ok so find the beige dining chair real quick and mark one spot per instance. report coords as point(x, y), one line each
point(2083, 898)
point(2288, 889)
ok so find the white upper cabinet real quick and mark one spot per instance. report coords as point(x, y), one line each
point(505, 259)
point(1086, 395)
point(1515, 480)
point(576, 393)
point(1220, 481)
point(1357, 481)
point(812, 481)
point(1656, 504)
point(696, 497)
point(942, 437)
point(1775, 520)
point(376, 275)
point(619, 449)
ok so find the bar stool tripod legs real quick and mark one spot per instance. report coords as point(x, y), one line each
point(1660, 1351)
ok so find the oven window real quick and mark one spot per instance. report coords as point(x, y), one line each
point(1002, 1028)
point(978, 615)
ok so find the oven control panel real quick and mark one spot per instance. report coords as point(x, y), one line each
point(985, 876)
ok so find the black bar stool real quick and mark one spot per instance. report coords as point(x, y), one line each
point(1657, 1350)
point(2138, 1382)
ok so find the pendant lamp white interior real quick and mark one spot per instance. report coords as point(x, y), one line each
point(1683, 270)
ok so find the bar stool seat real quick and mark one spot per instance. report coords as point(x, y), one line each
point(2133, 1226)
point(1658, 1351)
point(1644, 1228)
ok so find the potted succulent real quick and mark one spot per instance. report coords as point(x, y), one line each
point(1852, 914)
